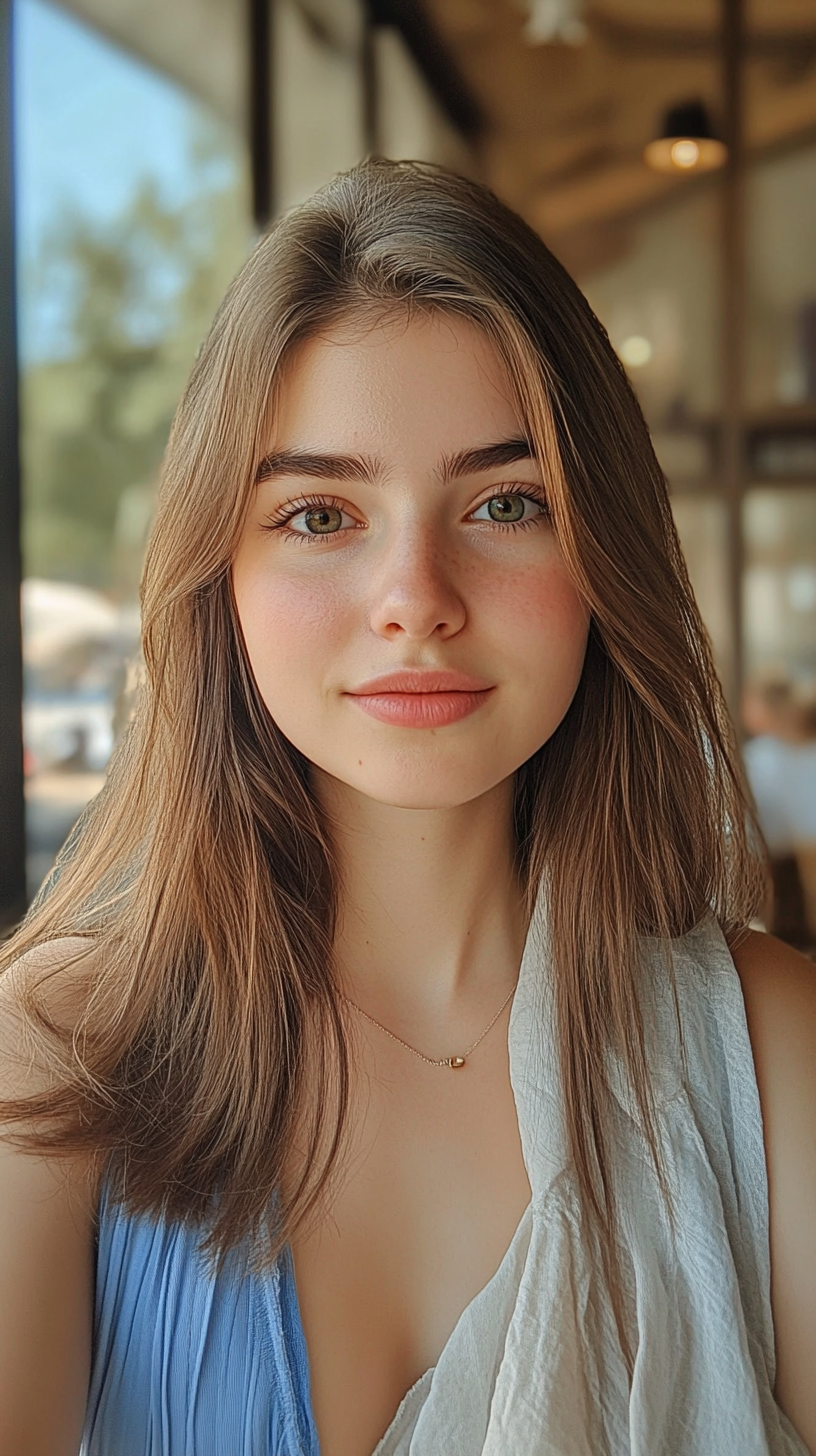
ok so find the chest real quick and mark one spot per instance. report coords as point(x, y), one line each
point(431, 1190)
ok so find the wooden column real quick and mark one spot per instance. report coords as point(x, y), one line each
point(732, 439)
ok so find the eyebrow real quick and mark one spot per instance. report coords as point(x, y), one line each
point(368, 468)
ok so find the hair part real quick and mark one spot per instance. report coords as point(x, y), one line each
point(211, 1045)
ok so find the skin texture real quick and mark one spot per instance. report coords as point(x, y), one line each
point(432, 926)
point(779, 987)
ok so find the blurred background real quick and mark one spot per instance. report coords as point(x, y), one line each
point(664, 149)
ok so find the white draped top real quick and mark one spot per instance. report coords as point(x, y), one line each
point(534, 1367)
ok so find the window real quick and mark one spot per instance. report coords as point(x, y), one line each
point(133, 215)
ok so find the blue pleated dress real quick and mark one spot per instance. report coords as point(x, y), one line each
point(187, 1364)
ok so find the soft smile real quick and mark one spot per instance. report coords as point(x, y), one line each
point(421, 699)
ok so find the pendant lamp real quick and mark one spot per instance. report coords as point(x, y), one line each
point(687, 142)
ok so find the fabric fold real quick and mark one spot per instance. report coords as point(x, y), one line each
point(534, 1365)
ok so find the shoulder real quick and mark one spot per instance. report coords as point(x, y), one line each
point(46, 1224)
point(779, 990)
point(777, 982)
point(55, 974)
point(52, 978)
point(54, 963)
point(42, 993)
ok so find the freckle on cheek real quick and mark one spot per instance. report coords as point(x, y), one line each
point(535, 597)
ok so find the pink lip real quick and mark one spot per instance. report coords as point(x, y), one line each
point(421, 699)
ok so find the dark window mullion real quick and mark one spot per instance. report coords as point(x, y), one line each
point(260, 42)
point(12, 815)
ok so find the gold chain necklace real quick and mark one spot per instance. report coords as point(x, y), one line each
point(453, 1062)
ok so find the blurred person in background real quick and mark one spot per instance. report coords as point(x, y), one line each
point(429, 726)
point(780, 760)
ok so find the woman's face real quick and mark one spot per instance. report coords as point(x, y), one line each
point(399, 527)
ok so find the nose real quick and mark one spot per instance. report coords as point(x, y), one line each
point(414, 591)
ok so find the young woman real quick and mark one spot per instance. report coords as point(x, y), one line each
point(376, 1071)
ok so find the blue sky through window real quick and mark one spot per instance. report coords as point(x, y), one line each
point(91, 122)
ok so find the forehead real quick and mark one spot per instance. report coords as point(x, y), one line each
point(417, 385)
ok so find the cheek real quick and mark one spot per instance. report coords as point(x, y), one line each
point(541, 617)
point(291, 631)
point(540, 625)
point(554, 643)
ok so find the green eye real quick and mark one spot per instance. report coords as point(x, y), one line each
point(506, 507)
point(323, 520)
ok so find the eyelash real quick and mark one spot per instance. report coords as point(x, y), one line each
point(279, 519)
point(526, 494)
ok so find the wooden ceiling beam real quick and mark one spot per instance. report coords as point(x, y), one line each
point(767, 43)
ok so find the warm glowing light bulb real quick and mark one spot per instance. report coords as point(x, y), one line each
point(635, 351)
point(685, 153)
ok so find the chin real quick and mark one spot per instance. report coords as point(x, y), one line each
point(413, 798)
point(413, 789)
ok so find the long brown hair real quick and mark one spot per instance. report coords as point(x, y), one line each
point(203, 875)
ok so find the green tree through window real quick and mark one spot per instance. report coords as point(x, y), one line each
point(136, 295)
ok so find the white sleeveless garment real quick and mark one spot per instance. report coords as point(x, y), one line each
point(534, 1367)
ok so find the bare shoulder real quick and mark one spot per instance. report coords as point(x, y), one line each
point(765, 963)
point(46, 1230)
point(779, 990)
point(58, 970)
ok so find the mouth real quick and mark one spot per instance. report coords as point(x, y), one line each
point(422, 680)
point(414, 698)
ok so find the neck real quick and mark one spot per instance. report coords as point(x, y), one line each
point(432, 915)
